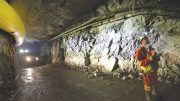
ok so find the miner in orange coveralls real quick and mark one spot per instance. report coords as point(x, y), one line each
point(147, 60)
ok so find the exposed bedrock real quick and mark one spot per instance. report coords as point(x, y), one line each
point(111, 44)
point(7, 52)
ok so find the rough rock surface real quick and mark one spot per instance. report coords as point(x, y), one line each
point(57, 52)
point(7, 73)
point(112, 44)
point(46, 18)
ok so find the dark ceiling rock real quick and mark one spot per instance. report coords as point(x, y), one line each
point(46, 18)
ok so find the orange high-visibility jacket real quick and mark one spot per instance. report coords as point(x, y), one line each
point(142, 56)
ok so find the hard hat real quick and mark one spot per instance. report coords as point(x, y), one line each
point(143, 37)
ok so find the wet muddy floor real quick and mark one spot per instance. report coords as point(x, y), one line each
point(54, 83)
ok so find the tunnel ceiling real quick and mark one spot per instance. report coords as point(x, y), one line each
point(46, 18)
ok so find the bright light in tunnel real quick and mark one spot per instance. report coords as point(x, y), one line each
point(146, 33)
point(26, 50)
point(28, 59)
point(21, 51)
point(37, 58)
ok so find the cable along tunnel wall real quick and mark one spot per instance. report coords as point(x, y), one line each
point(112, 44)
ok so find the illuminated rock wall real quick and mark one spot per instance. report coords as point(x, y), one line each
point(57, 52)
point(7, 50)
point(119, 40)
point(111, 44)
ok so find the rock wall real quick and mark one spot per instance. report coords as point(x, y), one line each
point(119, 40)
point(57, 52)
point(45, 54)
point(111, 44)
point(7, 52)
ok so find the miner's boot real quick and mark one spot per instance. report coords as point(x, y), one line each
point(148, 96)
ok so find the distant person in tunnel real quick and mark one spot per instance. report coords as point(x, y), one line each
point(147, 59)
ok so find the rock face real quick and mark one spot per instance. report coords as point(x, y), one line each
point(45, 18)
point(7, 50)
point(112, 43)
point(57, 52)
point(46, 54)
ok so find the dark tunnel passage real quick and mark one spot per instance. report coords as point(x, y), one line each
point(89, 50)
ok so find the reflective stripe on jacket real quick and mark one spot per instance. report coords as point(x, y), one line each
point(143, 59)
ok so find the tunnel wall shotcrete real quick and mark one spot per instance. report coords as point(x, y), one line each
point(112, 44)
point(7, 52)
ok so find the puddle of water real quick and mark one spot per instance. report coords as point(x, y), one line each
point(28, 75)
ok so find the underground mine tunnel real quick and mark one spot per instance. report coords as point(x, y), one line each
point(89, 50)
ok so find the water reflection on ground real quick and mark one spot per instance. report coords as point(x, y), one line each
point(28, 75)
point(55, 83)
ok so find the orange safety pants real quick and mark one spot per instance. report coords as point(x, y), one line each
point(150, 81)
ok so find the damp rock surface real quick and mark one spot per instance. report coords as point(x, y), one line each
point(7, 72)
